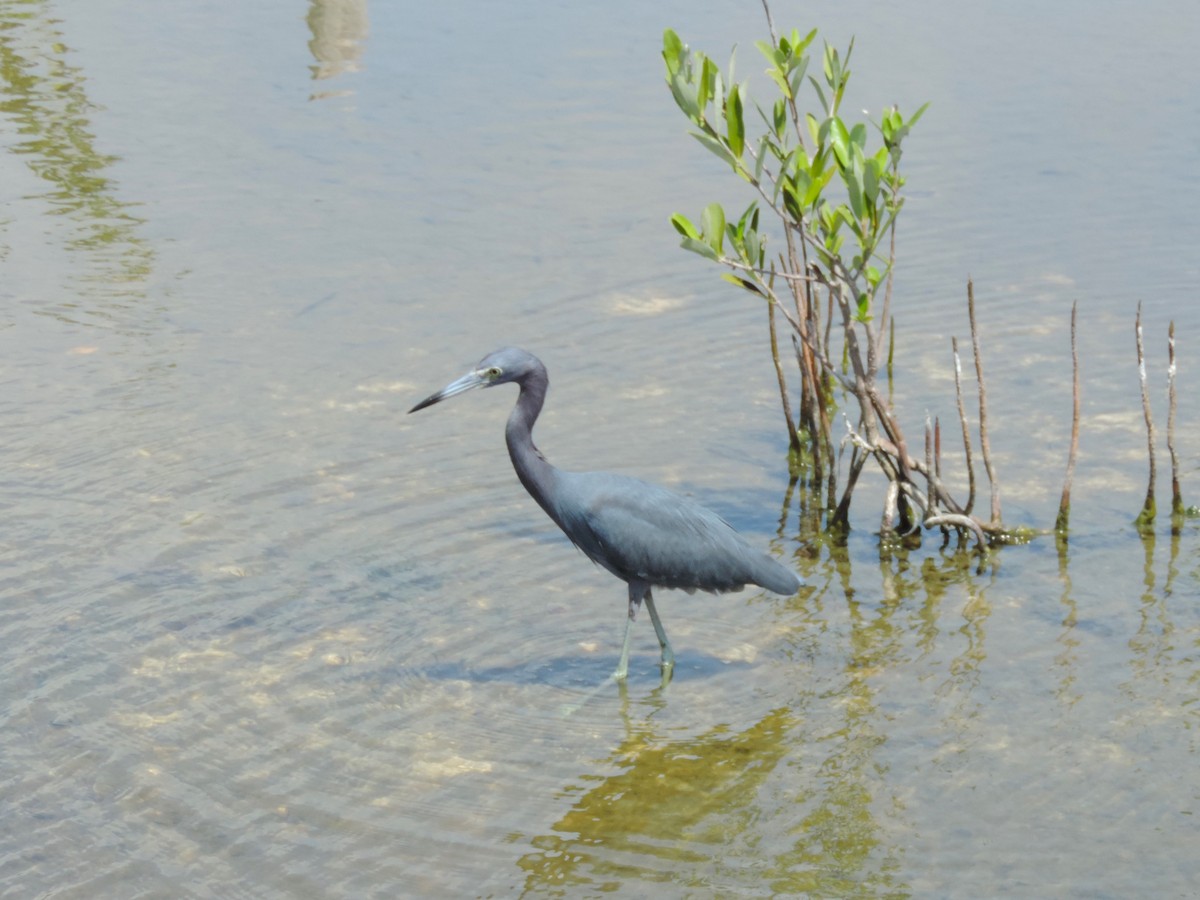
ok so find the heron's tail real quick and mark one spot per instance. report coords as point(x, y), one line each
point(775, 576)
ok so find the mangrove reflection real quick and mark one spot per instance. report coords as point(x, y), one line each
point(1067, 660)
point(690, 812)
point(339, 31)
point(1153, 643)
point(44, 97)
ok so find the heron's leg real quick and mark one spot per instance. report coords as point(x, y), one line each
point(636, 591)
point(668, 655)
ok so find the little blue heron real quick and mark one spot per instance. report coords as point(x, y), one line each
point(645, 535)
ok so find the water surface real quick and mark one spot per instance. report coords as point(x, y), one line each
point(269, 637)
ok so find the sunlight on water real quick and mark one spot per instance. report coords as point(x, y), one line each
point(268, 636)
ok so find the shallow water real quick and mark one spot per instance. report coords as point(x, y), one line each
point(270, 637)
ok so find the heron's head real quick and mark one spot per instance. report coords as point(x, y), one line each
point(500, 367)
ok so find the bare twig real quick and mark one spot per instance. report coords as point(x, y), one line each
point(828, 319)
point(929, 457)
point(758, 270)
point(793, 437)
point(966, 431)
point(891, 355)
point(770, 22)
point(937, 446)
point(901, 489)
point(1146, 516)
point(963, 522)
point(984, 445)
point(1176, 497)
point(886, 324)
point(1064, 504)
point(841, 516)
point(889, 508)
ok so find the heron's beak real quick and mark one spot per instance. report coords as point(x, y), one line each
point(466, 383)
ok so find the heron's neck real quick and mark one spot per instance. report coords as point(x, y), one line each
point(532, 468)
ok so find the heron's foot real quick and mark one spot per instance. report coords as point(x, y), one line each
point(622, 671)
point(668, 664)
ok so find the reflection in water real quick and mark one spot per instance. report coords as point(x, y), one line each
point(339, 30)
point(1066, 662)
point(661, 808)
point(44, 96)
point(802, 801)
point(690, 813)
point(223, 671)
point(827, 794)
point(936, 575)
point(1154, 642)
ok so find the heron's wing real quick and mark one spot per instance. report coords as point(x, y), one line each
point(640, 531)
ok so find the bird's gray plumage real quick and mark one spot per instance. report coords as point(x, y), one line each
point(645, 535)
point(640, 531)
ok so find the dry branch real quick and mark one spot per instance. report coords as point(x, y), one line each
point(1064, 504)
point(1146, 516)
point(1177, 511)
point(966, 431)
point(985, 446)
point(793, 436)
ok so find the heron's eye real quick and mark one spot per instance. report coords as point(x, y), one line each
point(493, 373)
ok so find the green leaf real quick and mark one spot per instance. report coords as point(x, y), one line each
point(797, 76)
point(735, 122)
point(821, 94)
point(698, 247)
point(684, 226)
point(839, 137)
point(780, 119)
point(890, 122)
point(814, 127)
point(833, 68)
point(844, 213)
point(716, 147)
point(685, 96)
point(830, 221)
point(780, 79)
point(791, 200)
point(800, 46)
point(871, 173)
point(798, 162)
point(769, 51)
point(841, 90)
point(708, 77)
point(854, 191)
point(743, 283)
point(674, 52)
point(816, 165)
point(754, 247)
point(858, 134)
point(816, 187)
point(713, 223)
point(901, 129)
point(745, 218)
